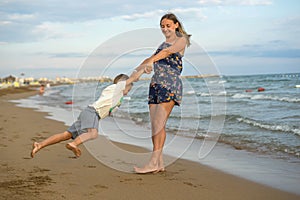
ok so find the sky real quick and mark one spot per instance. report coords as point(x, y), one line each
point(68, 38)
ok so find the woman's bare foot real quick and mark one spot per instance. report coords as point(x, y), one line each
point(35, 148)
point(146, 169)
point(161, 167)
point(73, 148)
point(159, 170)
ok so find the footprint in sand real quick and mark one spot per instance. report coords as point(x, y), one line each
point(130, 179)
point(101, 186)
point(191, 184)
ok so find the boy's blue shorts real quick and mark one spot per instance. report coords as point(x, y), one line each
point(88, 118)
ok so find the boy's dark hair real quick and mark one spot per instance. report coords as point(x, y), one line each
point(120, 77)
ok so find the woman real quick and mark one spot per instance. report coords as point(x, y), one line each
point(166, 87)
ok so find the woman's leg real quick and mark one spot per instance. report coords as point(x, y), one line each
point(92, 133)
point(159, 114)
point(158, 120)
point(50, 141)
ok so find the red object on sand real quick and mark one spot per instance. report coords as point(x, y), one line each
point(69, 102)
point(248, 90)
point(260, 89)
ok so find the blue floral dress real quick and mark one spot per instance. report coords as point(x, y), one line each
point(166, 84)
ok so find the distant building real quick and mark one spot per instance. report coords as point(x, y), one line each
point(10, 79)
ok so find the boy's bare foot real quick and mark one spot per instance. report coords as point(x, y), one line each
point(35, 148)
point(73, 148)
point(146, 169)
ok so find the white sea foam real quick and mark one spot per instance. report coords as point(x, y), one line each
point(205, 94)
point(217, 81)
point(283, 128)
point(190, 92)
point(266, 97)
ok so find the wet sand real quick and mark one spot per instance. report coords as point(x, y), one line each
point(54, 173)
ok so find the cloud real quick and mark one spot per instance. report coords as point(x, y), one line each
point(62, 55)
point(74, 11)
point(284, 53)
point(28, 20)
point(31, 32)
point(31, 20)
point(49, 30)
point(136, 16)
point(271, 49)
point(256, 2)
point(78, 11)
point(16, 32)
point(235, 2)
point(195, 12)
point(55, 10)
point(3, 23)
point(289, 23)
point(21, 17)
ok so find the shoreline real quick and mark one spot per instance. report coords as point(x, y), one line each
point(52, 174)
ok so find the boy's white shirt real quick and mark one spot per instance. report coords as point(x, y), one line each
point(109, 98)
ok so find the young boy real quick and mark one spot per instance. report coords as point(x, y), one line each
point(86, 126)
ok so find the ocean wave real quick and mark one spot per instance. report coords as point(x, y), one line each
point(251, 144)
point(217, 81)
point(190, 92)
point(144, 116)
point(205, 94)
point(245, 142)
point(266, 97)
point(280, 128)
point(50, 92)
point(194, 117)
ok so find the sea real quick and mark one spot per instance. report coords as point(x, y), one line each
point(258, 136)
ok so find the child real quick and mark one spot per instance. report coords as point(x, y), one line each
point(86, 126)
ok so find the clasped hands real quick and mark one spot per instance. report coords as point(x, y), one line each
point(148, 68)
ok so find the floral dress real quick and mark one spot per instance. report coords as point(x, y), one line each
point(166, 84)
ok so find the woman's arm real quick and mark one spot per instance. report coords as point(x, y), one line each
point(143, 64)
point(178, 46)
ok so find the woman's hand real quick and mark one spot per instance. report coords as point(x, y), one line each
point(148, 63)
point(148, 68)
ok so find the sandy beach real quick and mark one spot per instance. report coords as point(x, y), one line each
point(55, 174)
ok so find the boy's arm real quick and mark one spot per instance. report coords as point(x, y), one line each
point(136, 74)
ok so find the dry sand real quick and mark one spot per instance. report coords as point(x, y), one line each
point(55, 174)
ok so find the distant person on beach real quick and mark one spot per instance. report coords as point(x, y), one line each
point(86, 126)
point(165, 89)
point(42, 89)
